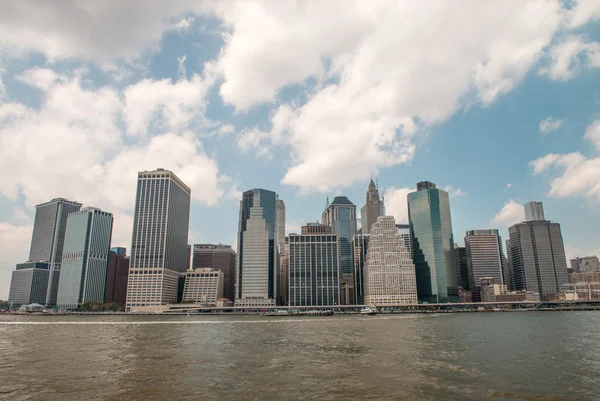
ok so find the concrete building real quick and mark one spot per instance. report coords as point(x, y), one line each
point(159, 239)
point(586, 284)
point(534, 211)
point(462, 268)
point(29, 284)
point(585, 264)
point(432, 243)
point(372, 209)
point(485, 257)
point(48, 238)
point(314, 269)
point(316, 228)
point(537, 257)
point(389, 271)
point(203, 285)
point(116, 277)
point(360, 247)
point(281, 257)
point(220, 257)
point(341, 216)
point(489, 289)
point(404, 231)
point(257, 275)
point(284, 274)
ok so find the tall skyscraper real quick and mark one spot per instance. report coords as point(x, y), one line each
point(404, 231)
point(314, 268)
point(29, 284)
point(537, 257)
point(85, 258)
point(360, 247)
point(116, 277)
point(48, 239)
point(460, 254)
point(283, 276)
point(534, 211)
point(220, 257)
point(432, 243)
point(341, 216)
point(485, 258)
point(389, 271)
point(159, 239)
point(257, 275)
point(372, 209)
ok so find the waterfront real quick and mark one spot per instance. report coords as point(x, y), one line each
point(471, 356)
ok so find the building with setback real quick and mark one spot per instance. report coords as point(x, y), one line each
point(85, 258)
point(485, 259)
point(257, 274)
point(341, 216)
point(432, 243)
point(314, 267)
point(389, 271)
point(372, 209)
point(360, 247)
point(220, 257)
point(29, 284)
point(159, 239)
point(117, 276)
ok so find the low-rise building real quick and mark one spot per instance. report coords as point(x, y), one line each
point(203, 285)
point(29, 284)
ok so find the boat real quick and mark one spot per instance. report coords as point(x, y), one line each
point(368, 310)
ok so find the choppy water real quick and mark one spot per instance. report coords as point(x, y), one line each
point(541, 356)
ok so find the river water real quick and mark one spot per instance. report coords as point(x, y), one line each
point(537, 356)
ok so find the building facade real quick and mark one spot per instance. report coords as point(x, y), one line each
point(585, 264)
point(360, 247)
point(534, 211)
point(389, 272)
point(257, 274)
point(462, 268)
point(220, 257)
point(404, 231)
point(283, 277)
point(432, 243)
point(203, 285)
point(85, 258)
point(159, 239)
point(485, 257)
point(372, 209)
point(48, 238)
point(29, 284)
point(116, 277)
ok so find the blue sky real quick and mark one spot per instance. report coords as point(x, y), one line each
point(499, 105)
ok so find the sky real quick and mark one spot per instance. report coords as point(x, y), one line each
point(498, 102)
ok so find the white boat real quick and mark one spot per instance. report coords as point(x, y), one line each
point(368, 310)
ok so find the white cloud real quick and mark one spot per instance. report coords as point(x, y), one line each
point(583, 12)
point(592, 133)
point(550, 124)
point(511, 213)
point(508, 186)
point(15, 239)
point(454, 192)
point(396, 203)
point(185, 24)
point(571, 55)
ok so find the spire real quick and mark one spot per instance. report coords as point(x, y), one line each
point(327, 202)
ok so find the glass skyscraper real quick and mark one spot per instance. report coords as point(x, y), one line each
point(534, 211)
point(432, 243)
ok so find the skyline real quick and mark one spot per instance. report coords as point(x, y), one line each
point(508, 131)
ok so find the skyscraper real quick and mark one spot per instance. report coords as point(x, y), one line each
point(360, 247)
point(281, 249)
point(389, 271)
point(29, 284)
point(85, 258)
point(159, 239)
point(534, 211)
point(48, 239)
point(257, 275)
point(462, 268)
point(537, 257)
point(220, 257)
point(372, 209)
point(485, 258)
point(116, 277)
point(432, 243)
point(341, 216)
point(314, 268)
point(404, 231)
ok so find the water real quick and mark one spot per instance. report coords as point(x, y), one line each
point(541, 356)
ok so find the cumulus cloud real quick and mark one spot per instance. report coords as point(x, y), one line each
point(570, 56)
point(511, 213)
point(454, 192)
point(592, 134)
point(550, 124)
point(396, 203)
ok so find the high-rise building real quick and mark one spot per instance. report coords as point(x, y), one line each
point(283, 277)
point(204, 285)
point(48, 239)
point(485, 257)
point(29, 284)
point(116, 277)
point(404, 231)
point(220, 257)
point(341, 216)
point(389, 271)
point(314, 269)
point(432, 243)
point(360, 247)
point(372, 209)
point(159, 239)
point(85, 258)
point(257, 275)
point(460, 254)
point(537, 257)
point(585, 264)
point(534, 211)
point(284, 272)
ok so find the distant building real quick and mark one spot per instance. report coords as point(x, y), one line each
point(404, 231)
point(372, 209)
point(586, 285)
point(119, 250)
point(484, 255)
point(534, 211)
point(360, 246)
point(432, 243)
point(314, 270)
point(460, 253)
point(220, 257)
point(29, 284)
point(389, 271)
point(316, 228)
point(48, 238)
point(203, 285)
point(284, 273)
point(281, 257)
point(585, 264)
point(490, 289)
point(159, 239)
point(116, 277)
point(85, 258)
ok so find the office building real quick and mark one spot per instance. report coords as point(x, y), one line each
point(283, 277)
point(220, 257)
point(116, 277)
point(48, 238)
point(585, 264)
point(372, 209)
point(29, 284)
point(203, 285)
point(257, 275)
point(537, 257)
point(341, 216)
point(316, 228)
point(119, 250)
point(159, 239)
point(460, 254)
point(432, 243)
point(314, 269)
point(360, 247)
point(489, 289)
point(389, 271)
point(534, 211)
point(284, 274)
point(485, 257)
point(404, 231)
